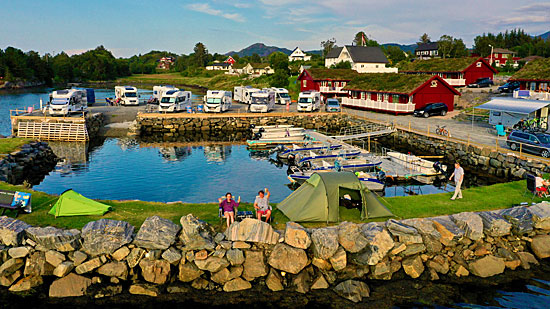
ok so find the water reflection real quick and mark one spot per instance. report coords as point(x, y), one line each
point(217, 153)
point(175, 153)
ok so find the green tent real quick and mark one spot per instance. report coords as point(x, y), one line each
point(317, 199)
point(71, 203)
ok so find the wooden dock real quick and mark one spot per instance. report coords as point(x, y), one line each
point(35, 126)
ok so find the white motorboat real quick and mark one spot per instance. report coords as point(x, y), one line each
point(416, 165)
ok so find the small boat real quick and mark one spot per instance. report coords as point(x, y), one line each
point(368, 180)
point(351, 165)
point(416, 165)
point(279, 141)
point(285, 152)
point(274, 128)
point(280, 134)
point(327, 156)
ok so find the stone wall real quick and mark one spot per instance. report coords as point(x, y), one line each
point(108, 257)
point(31, 163)
point(94, 124)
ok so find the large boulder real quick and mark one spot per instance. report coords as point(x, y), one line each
point(297, 236)
point(495, 225)
point(471, 223)
point(541, 246)
point(252, 230)
point(325, 242)
point(541, 215)
point(352, 290)
point(12, 231)
point(487, 266)
point(156, 233)
point(287, 258)
point(71, 285)
point(104, 236)
point(53, 238)
point(404, 233)
point(212, 264)
point(520, 218)
point(254, 265)
point(426, 228)
point(156, 271)
point(450, 232)
point(351, 237)
point(196, 234)
point(380, 243)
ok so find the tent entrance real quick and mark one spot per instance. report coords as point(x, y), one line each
point(356, 200)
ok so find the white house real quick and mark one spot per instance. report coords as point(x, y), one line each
point(427, 50)
point(255, 69)
point(219, 66)
point(298, 55)
point(363, 59)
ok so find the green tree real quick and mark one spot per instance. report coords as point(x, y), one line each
point(425, 38)
point(255, 58)
point(445, 44)
point(358, 40)
point(341, 65)
point(279, 63)
point(327, 46)
point(200, 54)
point(459, 49)
point(394, 54)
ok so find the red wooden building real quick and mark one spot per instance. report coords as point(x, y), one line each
point(501, 56)
point(330, 82)
point(230, 60)
point(398, 93)
point(534, 80)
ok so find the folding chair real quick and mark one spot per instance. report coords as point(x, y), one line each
point(500, 130)
point(532, 187)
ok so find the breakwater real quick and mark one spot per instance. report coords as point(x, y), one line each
point(31, 163)
point(109, 257)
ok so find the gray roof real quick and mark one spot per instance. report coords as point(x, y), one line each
point(334, 53)
point(517, 106)
point(367, 54)
point(427, 46)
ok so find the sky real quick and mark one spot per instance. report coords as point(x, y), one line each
point(129, 27)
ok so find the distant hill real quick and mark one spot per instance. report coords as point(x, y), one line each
point(404, 47)
point(260, 49)
point(545, 36)
point(314, 52)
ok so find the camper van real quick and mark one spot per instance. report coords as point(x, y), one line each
point(67, 101)
point(281, 96)
point(175, 101)
point(262, 101)
point(159, 91)
point(126, 95)
point(309, 101)
point(217, 101)
point(244, 94)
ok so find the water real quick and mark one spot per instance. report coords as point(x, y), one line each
point(19, 100)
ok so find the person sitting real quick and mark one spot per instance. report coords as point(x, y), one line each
point(261, 204)
point(229, 207)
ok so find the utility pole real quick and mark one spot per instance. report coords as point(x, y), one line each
point(491, 58)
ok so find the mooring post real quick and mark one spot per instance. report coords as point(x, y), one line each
point(428, 129)
point(468, 140)
point(369, 143)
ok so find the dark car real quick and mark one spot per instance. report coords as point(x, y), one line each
point(482, 83)
point(537, 143)
point(332, 105)
point(431, 109)
point(509, 87)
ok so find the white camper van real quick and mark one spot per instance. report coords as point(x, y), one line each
point(175, 101)
point(159, 91)
point(126, 95)
point(309, 101)
point(244, 94)
point(262, 101)
point(67, 101)
point(281, 95)
point(217, 101)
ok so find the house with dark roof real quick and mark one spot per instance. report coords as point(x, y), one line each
point(427, 50)
point(397, 93)
point(330, 82)
point(457, 72)
point(501, 56)
point(298, 55)
point(534, 80)
point(363, 59)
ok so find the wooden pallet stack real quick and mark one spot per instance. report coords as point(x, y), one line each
point(53, 131)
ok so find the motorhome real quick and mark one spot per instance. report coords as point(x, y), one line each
point(126, 95)
point(159, 91)
point(244, 94)
point(67, 101)
point(175, 101)
point(281, 96)
point(309, 101)
point(217, 101)
point(262, 101)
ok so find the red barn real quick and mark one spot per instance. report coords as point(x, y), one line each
point(501, 56)
point(330, 82)
point(534, 80)
point(398, 93)
point(457, 72)
point(230, 60)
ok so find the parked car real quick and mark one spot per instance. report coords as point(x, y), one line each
point(481, 83)
point(431, 109)
point(332, 105)
point(509, 87)
point(537, 143)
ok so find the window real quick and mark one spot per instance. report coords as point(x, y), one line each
point(379, 97)
point(433, 84)
point(386, 97)
point(478, 64)
point(496, 114)
point(304, 83)
point(395, 98)
point(377, 66)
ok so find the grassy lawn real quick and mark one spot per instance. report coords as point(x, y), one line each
point(8, 145)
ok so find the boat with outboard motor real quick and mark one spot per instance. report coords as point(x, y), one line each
point(328, 156)
point(286, 152)
point(369, 180)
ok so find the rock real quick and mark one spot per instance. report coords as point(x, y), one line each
point(222, 276)
point(235, 256)
point(430, 236)
point(104, 236)
point(296, 236)
point(10, 279)
point(156, 233)
point(135, 257)
point(380, 243)
point(413, 266)
point(235, 271)
point(35, 265)
point(325, 242)
point(219, 238)
point(201, 255)
point(252, 230)
point(71, 285)
point(471, 223)
point(144, 289)
point(12, 231)
point(338, 260)
point(352, 290)
point(79, 257)
point(108, 291)
point(219, 253)
point(120, 254)
point(520, 218)
point(88, 266)
point(26, 283)
point(404, 233)
point(450, 232)
point(321, 264)
point(541, 246)
point(487, 266)
point(63, 269)
point(288, 259)
point(212, 264)
point(439, 263)
point(301, 282)
point(413, 249)
point(177, 288)
point(541, 215)
point(274, 281)
point(512, 264)
point(494, 224)
point(351, 237)
point(18, 252)
point(352, 272)
point(240, 245)
point(526, 259)
point(196, 234)
point(189, 272)
point(320, 283)
point(254, 265)
point(237, 284)
point(155, 271)
point(200, 284)
point(54, 258)
point(10, 266)
point(53, 238)
point(114, 269)
point(172, 255)
point(398, 248)
point(461, 271)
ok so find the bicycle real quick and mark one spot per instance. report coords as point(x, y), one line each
point(440, 130)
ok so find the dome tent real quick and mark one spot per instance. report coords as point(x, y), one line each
point(71, 203)
point(317, 199)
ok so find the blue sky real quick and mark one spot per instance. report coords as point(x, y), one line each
point(128, 27)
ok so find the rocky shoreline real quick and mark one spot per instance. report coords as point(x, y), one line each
point(108, 257)
point(31, 163)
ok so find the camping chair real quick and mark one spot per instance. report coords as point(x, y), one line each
point(12, 200)
point(264, 215)
point(500, 130)
point(533, 189)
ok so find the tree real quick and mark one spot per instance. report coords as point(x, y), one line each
point(445, 44)
point(327, 46)
point(459, 49)
point(394, 54)
point(279, 62)
point(200, 54)
point(341, 65)
point(358, 40)
point(425, 38)
point(255, 58)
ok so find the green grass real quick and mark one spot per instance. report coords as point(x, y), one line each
point(8, 145)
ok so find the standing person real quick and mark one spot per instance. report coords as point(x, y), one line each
point(229, 207)
point(262, 205)
point(458, 174)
